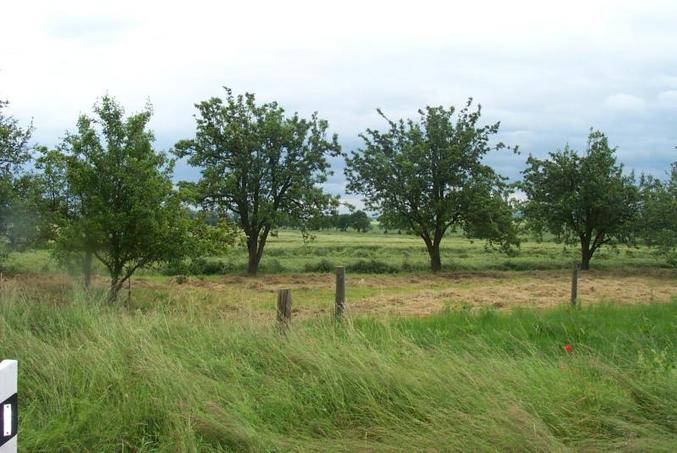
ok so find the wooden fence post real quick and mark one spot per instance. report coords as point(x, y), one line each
point(283, 308)
point(574, 284)
point(340, 291)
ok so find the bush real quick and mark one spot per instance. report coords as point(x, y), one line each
point(371, 267)
point(272, 266)
point(322, 266)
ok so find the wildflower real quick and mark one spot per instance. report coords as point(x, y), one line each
point(568, 347)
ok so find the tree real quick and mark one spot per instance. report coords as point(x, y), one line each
point(14, 154)
point(343, 221)
point(360, 221)
point(658, 219)
point(61, 208)
point(259, 165)
point(427, 176)
point(125, 211)
point(585, 199)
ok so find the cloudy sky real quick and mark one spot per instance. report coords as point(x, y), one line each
point(547, 70)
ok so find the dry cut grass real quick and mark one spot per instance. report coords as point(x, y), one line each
point(237, 296)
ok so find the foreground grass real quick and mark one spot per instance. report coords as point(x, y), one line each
point(95, 378)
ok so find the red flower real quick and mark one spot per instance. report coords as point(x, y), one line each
point(568, 347)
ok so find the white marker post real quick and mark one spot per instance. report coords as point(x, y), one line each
point(9, 415)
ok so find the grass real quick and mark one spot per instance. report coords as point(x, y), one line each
point(376, 252)
point(98, 378)
point(196, 364)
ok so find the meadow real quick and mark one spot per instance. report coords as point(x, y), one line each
point(380, 253)
point(471, 359)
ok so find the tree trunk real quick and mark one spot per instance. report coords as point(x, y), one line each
point(433, 247)
point(87, 269)
point(586, 254)
point(435, 260)
point(254, 257)
point(114, 290)
point(115, 286)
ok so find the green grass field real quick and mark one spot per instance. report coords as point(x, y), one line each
point(96, 378)
point(472, 359)
point(376, 252)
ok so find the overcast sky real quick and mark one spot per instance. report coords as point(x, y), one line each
point(547, 70)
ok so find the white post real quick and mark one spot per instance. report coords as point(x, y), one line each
point(8, 406)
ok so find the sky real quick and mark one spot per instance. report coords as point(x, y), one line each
point(548, 71)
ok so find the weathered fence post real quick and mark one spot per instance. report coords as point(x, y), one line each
point(283, 308)
point(9, 415)
point(574, 284)
point(340, 291)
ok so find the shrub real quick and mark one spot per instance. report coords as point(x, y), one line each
point(273, 266)
point(322, 266)
point(371, 267)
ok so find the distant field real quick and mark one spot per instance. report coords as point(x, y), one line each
point(376, 252)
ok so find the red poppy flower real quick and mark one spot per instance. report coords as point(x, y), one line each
point(568, 347)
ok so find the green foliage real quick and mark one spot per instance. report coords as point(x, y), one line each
point(658, 221)
point(14, 154)
point(114, 199)
point(98, 378)
point(585, 199)
point(371, 267)
point(360, 221)
point(428, 176)
point(259, 165)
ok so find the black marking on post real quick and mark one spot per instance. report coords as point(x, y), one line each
point(13, 402)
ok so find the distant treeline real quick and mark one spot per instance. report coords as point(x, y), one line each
point(356, 220)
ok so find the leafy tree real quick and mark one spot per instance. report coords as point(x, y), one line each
point(658, 220)
point(427, 176)
point(343, 221)
point(14, 153)
point(360, 221)
point(259, 164)
point(585, 199)
point(121, 205)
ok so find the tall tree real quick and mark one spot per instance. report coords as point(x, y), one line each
point(585, 199)
point(126, 212)
point(427, 176)
point(259, 164)
point(658, 220)
point(14, 153)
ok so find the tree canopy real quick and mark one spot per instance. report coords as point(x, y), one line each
point(658, 220)
point(585, 199)
point(259, 164)
point(119, 203)
point(428, 175)
point(14, 153)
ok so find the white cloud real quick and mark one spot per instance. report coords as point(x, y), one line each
point(625, 102)
point(536, 66)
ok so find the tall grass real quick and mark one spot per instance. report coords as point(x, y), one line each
point(96, 378)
